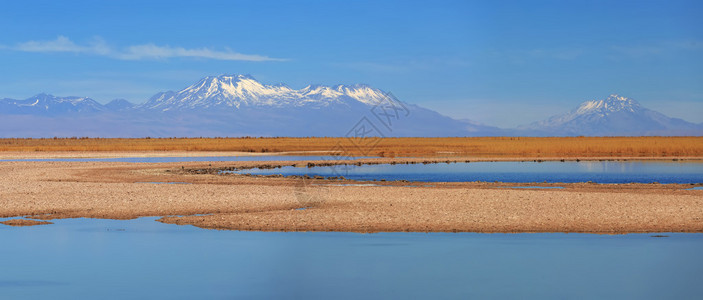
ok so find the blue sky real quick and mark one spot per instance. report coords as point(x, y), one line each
point(503, 63)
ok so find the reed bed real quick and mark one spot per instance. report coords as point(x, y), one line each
point(388, 147)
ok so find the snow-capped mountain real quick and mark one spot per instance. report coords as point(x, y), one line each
point(44, 104)
point(229, 104)
point(237, 105)
point(614, 115)
point(230, 92)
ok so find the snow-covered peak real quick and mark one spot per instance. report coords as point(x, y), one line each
point(320, 91)
point(362, 93)
point(236, 91)
point(616, 97)
point(227, 84)
point(614, 103)
point(221, 91)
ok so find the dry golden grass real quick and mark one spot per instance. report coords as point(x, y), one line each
point(389, 147)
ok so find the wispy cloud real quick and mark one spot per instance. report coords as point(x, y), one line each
point(151, 51)
point(135, 52)
point(63, 44)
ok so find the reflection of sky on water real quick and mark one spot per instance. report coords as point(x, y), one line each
point(635, 166)
point(596, 171)
point(111, 259)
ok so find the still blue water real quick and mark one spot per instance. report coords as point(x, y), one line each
point(596, 171)
point(111, 259)
point(187, 159)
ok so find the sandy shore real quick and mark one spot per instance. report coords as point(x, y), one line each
point(48, 190)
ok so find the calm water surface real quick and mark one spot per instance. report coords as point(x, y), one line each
point(596, 171)
point(109, 259)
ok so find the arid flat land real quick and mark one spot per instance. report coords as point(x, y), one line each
point(49, 190)
point(528, 147)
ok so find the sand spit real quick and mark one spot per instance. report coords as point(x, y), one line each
point(24, 222)
point(49, 190)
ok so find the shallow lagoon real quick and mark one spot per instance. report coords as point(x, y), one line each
point(552, 171)
point(111, 259)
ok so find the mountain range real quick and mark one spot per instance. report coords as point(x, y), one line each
point(239, 105)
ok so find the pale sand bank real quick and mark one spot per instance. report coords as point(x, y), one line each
point(49, 190)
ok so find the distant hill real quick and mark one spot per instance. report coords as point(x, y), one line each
point(49, 105)
point(119, 105)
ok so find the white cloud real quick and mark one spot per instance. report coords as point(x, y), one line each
point(136, 52)
point(63, 44)
point(151, 51)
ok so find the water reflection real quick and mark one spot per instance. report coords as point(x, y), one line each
point(595, 171)
point(110, 259)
